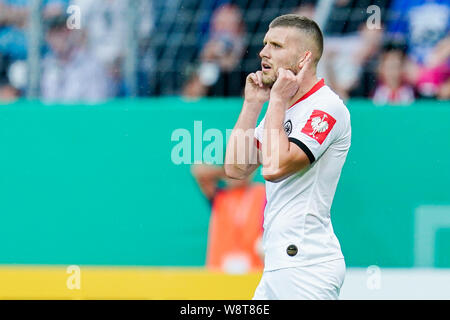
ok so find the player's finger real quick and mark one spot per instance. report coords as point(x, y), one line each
point(290, 73)
point(259, 76)
point(253, 78)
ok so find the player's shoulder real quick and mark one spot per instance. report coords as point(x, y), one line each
point(329, 100)
point(323, 100)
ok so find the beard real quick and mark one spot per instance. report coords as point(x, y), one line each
point(269, 79)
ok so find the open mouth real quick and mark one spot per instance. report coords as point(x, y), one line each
point(265, 66)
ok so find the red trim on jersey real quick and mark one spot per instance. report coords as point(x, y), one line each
point(316, 87)
point(258, 144)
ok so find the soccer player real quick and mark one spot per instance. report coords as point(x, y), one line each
point(303, 142)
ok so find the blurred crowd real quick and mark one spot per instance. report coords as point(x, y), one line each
point(198, 48)
point(77, 64)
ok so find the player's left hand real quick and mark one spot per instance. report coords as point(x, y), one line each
point(285, 86)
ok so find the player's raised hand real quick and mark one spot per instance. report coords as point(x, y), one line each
point(255, 90)
point(286, 85)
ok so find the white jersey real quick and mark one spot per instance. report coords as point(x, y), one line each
point(297, 224)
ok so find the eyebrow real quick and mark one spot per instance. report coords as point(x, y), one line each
point(272, 42)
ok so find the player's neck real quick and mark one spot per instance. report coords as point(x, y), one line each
point(307, 85)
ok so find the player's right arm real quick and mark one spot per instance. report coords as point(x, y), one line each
point(242, 156)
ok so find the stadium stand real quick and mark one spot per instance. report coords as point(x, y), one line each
point(171, 37)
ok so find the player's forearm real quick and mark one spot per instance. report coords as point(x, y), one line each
point(241, 153)
point(275, 146)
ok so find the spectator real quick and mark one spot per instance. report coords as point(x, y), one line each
point(306, 9)
point(424, 25)
point(220, 55)
point(70, 72)
point(106, 23)
point(237, 207)
point(13, 19)
point(8, 93)
point(350, 46)
point(13, 43)
point(392, 87)
point(434, 77)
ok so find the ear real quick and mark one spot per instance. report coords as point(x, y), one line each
point(302, 61)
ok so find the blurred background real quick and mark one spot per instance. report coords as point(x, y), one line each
point(93, 205)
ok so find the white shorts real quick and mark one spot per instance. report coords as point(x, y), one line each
point(321, 281)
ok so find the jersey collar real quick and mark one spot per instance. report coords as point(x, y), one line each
point(316, 87)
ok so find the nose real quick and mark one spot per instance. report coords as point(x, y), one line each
point(264, 53)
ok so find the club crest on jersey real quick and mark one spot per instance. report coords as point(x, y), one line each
point(319, 125)
point(288, 127)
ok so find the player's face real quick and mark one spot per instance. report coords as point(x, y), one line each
point(282, 48)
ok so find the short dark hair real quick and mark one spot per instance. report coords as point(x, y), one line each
point(56, 22)
point(394, 45)
point(306, 25)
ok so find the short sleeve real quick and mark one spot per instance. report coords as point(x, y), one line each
point(314, 131)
